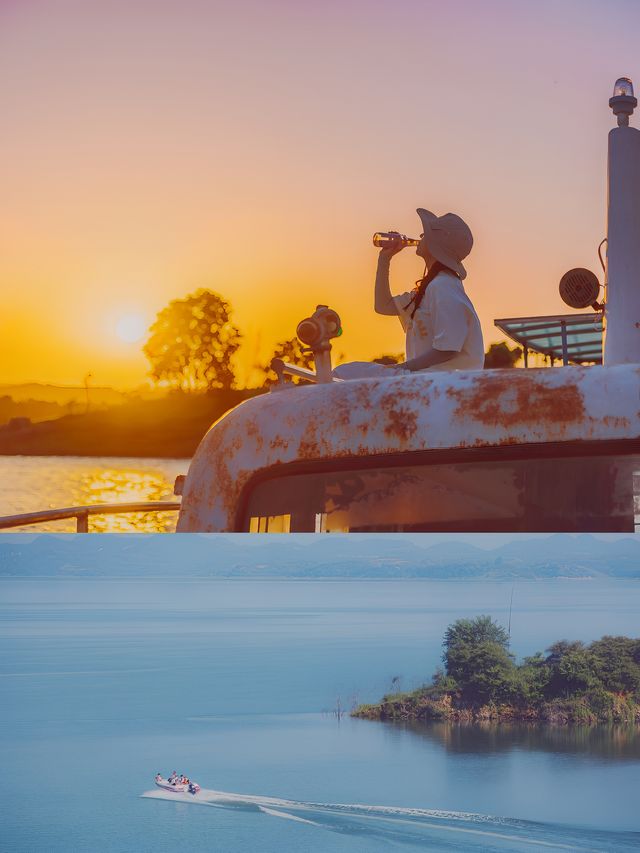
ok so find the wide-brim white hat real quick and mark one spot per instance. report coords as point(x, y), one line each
point(448, 238)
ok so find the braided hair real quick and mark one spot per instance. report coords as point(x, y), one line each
point(424, 282)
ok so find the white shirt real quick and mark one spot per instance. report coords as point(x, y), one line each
point(445, 320)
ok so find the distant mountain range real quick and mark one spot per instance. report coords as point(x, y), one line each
point(331, 556)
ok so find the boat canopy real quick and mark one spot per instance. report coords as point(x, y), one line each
point(568, 338)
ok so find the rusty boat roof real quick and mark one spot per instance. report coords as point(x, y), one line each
point(403, 414)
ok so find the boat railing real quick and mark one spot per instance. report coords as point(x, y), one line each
point(284, 368)
point(82, 513)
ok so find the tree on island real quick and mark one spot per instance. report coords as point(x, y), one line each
point(571, 683)
point(568, 667)
point(192, 342)
point(477, 659)
point(617, 663)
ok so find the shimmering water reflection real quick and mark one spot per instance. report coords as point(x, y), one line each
point(31, 483)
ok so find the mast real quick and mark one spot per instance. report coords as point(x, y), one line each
point(622, 313)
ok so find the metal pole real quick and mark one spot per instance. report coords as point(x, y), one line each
point(565, 347)
point(86, 391)
point(510, 609)
point(622, 337)
point(82, 523)
point(322, 360)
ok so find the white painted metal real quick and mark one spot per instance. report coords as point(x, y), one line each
point(622, 335)
point(402, 414)
point(322, 360)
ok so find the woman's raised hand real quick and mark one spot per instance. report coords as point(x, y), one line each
point(392, 248)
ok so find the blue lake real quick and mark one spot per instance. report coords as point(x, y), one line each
point(236, 683)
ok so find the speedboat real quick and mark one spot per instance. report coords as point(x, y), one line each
point(176, 786)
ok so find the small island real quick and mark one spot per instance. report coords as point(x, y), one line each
point(572, 683)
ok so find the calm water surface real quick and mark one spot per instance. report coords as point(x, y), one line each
point(236, 683)
point(30, 483)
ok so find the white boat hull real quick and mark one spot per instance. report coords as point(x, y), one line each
point(177, 788)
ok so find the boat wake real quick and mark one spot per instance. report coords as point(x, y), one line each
point(448, 830)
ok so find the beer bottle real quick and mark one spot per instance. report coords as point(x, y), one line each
point(381, 239)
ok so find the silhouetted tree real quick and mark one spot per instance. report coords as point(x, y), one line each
point(389, 358)
point(192, 342)
point(292, 351)
point(499, 355)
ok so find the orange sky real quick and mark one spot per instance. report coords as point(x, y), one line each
point(151, 147)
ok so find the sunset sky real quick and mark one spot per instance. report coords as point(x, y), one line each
point(151, 147)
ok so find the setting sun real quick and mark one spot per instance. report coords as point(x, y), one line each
point(131, 328)
point(138, 183)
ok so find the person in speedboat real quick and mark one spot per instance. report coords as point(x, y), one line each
point(440, 323)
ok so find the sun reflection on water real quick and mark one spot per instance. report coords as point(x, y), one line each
point(117, 485)
point(32, 483)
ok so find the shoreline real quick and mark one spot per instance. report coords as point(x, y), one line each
point(167, 428)
point(573, 711)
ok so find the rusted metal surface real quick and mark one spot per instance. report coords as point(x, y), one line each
point(423, 411)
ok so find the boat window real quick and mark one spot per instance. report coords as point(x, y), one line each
point(578, 493)
point(270, 523)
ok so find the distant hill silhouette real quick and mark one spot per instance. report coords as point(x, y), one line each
point(169, 427)
point(33, 410)
point(299, 556)
point(63, 394)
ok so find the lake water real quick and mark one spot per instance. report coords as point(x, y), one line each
point(30, 483)
point(236, 683)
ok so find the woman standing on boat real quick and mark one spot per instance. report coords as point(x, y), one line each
point(441, 326)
